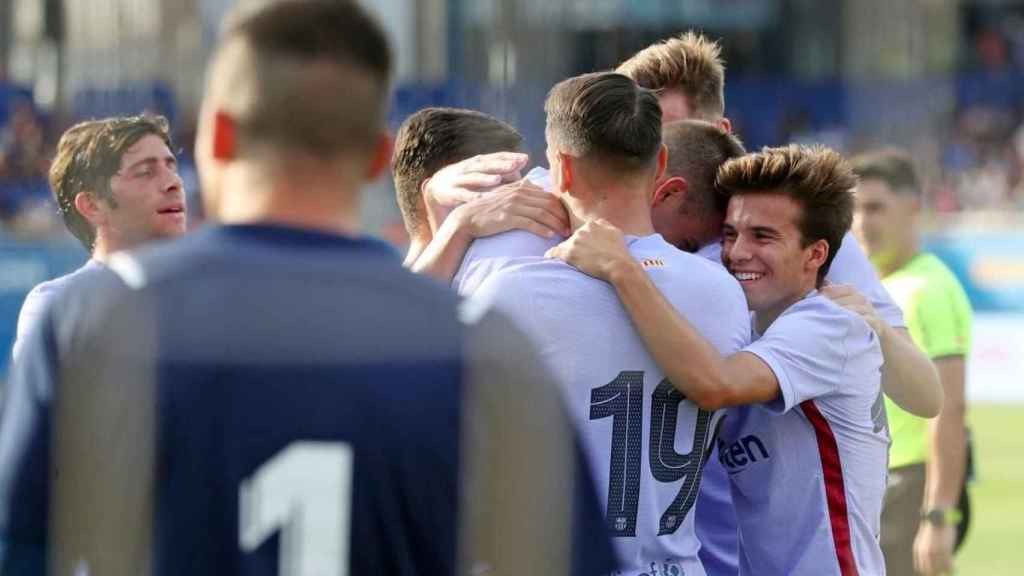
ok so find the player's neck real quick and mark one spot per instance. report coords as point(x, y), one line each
point(280, 209)
point(897, 258)
point(106, 244)
point(100, 252)
point(627, 211)
point(326, 204)
point(764, 317)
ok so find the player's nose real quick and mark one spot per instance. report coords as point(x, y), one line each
point(738, 250)
point(173, 182)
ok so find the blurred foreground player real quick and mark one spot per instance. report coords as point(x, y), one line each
point(117, 186)
point(922, 519)
point(276, 395)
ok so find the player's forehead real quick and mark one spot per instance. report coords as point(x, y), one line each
point(150, 146)
point(874, 190)
point(761, 209)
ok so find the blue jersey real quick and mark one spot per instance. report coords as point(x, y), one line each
point(40, 297)
point(273, 401)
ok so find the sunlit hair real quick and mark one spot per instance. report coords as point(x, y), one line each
point(433, 138)
point(816, 177)
point(690, 63)
point(607, 117)
point(88, 155)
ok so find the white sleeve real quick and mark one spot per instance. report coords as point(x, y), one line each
point(807, 348)
point(851, 266)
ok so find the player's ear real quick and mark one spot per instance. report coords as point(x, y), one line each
point(88, 205)
point(381, 158)
point(817, 253)
point(225, 137)
point(566, 169)
point(725, 124)
point(674, 188)
point(429, 207)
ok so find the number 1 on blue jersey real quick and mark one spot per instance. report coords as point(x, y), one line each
point(305, 491)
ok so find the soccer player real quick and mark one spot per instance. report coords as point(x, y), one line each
point(688, 75)
point(927, 460)
point(807, 461)
point(276, 394)
point(117, 185)
point(645, 441)
point(434, 138)
point(683, 205)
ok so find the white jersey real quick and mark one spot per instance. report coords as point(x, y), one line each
point(486, 256)
point(645, 442)
point(813, 462)
point(716, 516)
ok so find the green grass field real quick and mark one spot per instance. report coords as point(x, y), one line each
point(998, 494)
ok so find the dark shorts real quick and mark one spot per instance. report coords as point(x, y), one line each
point(901, 514)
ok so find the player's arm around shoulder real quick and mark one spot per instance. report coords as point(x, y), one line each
point(908, 376)
point(812, 347)
point(519, 205)
point(687, 358)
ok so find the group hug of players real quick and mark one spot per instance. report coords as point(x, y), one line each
point(670, 356)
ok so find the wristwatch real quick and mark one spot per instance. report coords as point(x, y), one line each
point(941, 516)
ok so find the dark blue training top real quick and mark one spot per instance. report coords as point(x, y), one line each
point(304, 388)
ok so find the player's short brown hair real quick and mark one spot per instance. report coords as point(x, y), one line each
point(690, 63)
point(816, 177)
point(890, 165)
point(696, 150)
point(88, 155)
point(308, 76)
point(606, 116)
point(433, 138)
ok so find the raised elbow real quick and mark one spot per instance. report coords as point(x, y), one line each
point(712, 396)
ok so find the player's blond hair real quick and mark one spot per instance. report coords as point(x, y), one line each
point(816, 177)
point(690, 63)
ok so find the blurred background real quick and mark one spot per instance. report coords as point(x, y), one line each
point(942, 78)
